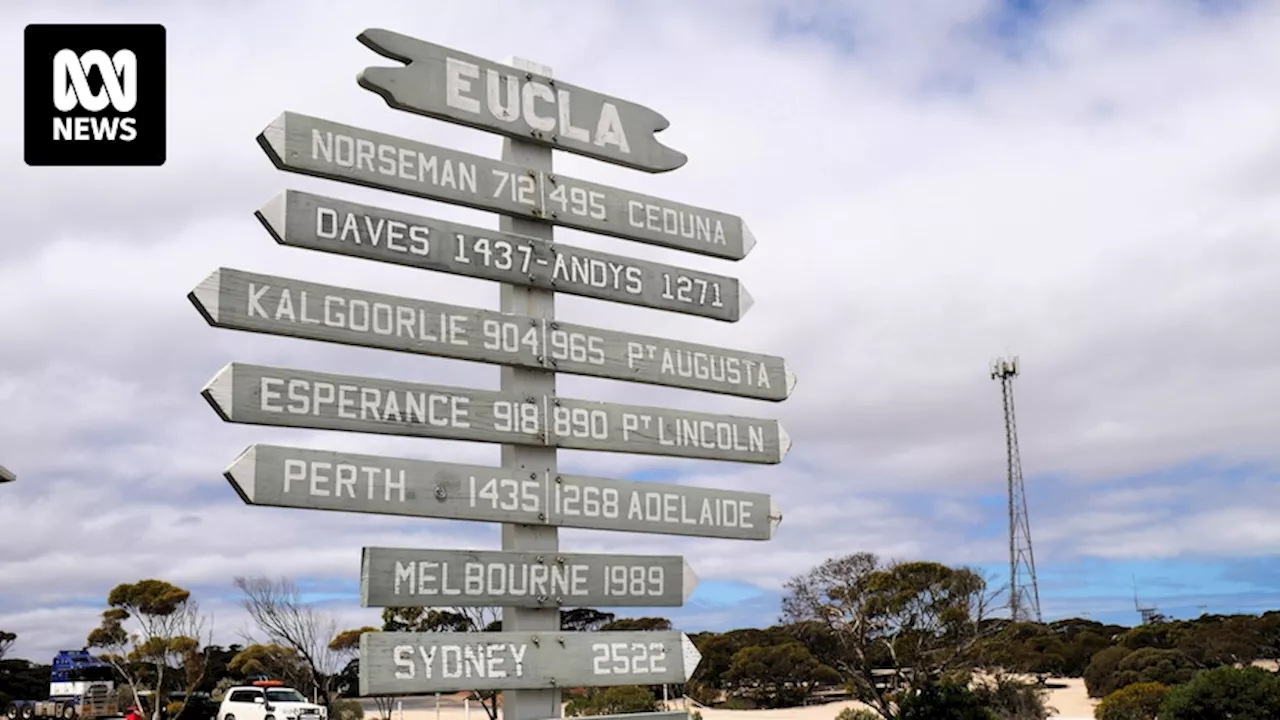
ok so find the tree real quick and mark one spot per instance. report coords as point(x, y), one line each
point(460, 619)
point(169, 630)
point(778, 675)
point(1139, 701)
point(924, 617)
point(1248, 693)
point(346, 645)
point(584, 619)
point(6, 642)
point(1102, 672)
point(644, 624)
point(274, 661)
point(276, 607)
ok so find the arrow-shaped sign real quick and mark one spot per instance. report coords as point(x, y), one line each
point(398, 577)
point(396, 663)
point(285, 397)
point(457, 87)
point(327, 224)
point(286, 477)
point(322, 148)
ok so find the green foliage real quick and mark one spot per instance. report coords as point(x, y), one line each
point(1011, 699)
point(1101, 674)
point(612, 701)
point(857, 714)
point(344, 709)
point(778, 675)
point(942, 701)
point(643, 623)
point(1139, 701)
point(1247, 693)
point(1116, 667)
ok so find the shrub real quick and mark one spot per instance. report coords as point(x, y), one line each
point(1100, 674)
point(944, 701)
point(857, 714)
point(343, 709)
point(1140, 701)
point(1247, 693)
point(1011, 699)
point(695, 715)
point(613, 701)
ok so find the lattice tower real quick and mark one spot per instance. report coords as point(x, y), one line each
point(1024, 590)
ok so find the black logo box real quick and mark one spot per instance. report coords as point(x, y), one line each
point(41, 43)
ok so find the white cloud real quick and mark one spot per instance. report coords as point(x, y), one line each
point(1104, 204)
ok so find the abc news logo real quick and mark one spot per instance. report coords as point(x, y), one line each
point(107, 105)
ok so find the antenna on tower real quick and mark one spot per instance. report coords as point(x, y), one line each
point(1024, 590)
point(1148, 614)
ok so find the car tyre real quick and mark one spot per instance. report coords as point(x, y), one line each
point(11, 712)
point(27, 712)
point(68, 712)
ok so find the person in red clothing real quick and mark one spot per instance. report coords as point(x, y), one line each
point(132, 713)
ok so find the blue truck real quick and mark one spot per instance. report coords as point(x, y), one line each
point(81, 687)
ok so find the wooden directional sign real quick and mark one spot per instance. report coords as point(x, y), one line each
point(457, 87)
point(286, 477)
point(398, 577)
point(284, 397)
point(6, 475)
point(295, 308)
point(322, 148)
point(672, 715)
point(336, 226)
point(402, 663)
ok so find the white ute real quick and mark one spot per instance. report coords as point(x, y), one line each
point(268, 701)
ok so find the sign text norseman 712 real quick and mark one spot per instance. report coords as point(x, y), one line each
point(323, 148)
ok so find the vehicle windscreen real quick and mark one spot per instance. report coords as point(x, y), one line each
point(91, 674)
point(285, 695)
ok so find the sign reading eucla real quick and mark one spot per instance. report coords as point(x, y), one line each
point(535, 113)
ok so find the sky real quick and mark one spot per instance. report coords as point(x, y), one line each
point(1091, 186)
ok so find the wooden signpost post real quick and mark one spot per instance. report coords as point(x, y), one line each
point(531, 660)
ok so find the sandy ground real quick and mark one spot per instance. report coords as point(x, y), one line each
point(1067, 696)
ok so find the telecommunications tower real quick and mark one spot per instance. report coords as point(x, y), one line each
point(1024, 591)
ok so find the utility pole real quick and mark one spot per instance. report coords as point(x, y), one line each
point(1024, 591)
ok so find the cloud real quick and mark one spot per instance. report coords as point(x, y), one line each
point(1091, 186)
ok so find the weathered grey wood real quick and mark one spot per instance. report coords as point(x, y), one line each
point(286, 477)
point(396, 663)
point(403, 577)
point(541, 304)
point(322, 148)
point(336, 226)
point(275, 305)
point(457, 87)
point(285, 397)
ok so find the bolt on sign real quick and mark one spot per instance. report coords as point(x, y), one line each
point(530, 578)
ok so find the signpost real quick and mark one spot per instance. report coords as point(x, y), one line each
point(273, 305)
point(399, 663)
point(274, 476)
point(457, 87)
point(284, 397)
point(330, 225)
point(395, 577)
point(532, 659)
point(322, 148)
